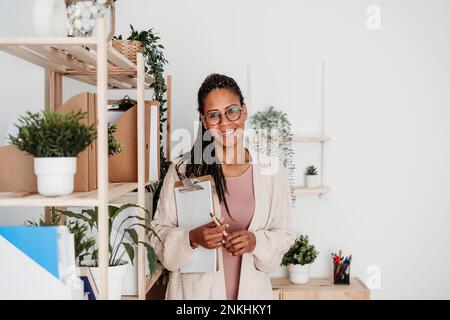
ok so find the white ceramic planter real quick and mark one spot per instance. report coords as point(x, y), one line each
point(312, 181)
point(116, 277)
point(299, 274)
point(55, 176)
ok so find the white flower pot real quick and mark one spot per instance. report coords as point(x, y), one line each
point(299, 274)
point(116, 277)
point(312, 181)
point(55, 176)
point(42, 17)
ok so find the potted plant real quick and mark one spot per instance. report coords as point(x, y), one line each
point(54, 139)
point(273, 136)
point(124, 242)
point(311, 177)
point(299, 258)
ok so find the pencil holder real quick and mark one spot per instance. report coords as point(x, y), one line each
point(341, 273)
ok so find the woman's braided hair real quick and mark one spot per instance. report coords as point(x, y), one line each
point(200, 167)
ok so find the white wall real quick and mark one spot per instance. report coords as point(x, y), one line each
point(387, 104)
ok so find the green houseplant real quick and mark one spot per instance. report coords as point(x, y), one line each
point(299, 258)
point(273, 136)
point(155, 62)
point(114, 146)
point(311, 177)
point(54, 139)
point(83, 242)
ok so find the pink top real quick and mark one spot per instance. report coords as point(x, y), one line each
point(241, 203)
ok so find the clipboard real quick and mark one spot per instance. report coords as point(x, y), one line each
point(194, 206)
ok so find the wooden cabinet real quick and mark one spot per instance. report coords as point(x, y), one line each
point(319, 289)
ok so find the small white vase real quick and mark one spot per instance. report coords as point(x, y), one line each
point(116, 277)
point(312, 181)
point(55, 176)
point(299, 274)
point(42, 17)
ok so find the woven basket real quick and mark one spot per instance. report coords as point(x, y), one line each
point(128, 48)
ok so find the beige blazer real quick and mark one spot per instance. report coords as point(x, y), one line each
point(271, 225)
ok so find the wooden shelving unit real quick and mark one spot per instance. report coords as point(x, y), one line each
point(75, 58)
point(95, 62)
point(299, 139)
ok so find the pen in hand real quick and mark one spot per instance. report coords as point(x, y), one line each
point(217, 222)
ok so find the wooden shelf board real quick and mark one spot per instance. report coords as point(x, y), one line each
point(310, 139)
point(26, 199)
point(76, 199)
point(116, 190)
point(75, 58)
point(129, 197)
point(318, 190)
point(49, 41)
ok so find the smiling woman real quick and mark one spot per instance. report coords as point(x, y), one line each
point(253, 203)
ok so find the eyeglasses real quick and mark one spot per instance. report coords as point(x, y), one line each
point(233, 113)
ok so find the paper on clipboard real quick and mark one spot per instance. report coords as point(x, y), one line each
point(193, 210)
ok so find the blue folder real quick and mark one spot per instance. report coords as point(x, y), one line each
point(39, 243)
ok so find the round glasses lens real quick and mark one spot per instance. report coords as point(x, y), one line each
point(233, 113)
point(213, 117)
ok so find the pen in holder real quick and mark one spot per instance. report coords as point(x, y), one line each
point(341, 268)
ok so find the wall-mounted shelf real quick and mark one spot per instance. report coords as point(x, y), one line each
point(318, 190)
point(322, 139)
point(301, 139)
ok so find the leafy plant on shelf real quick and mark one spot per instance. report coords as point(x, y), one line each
point(311, 171)
point(273, 136)
point(301, 252)
point(154, 67)
point(114, 146)
point(83, 243)
point(58, 134)
point(89, 217)
point(53, 134)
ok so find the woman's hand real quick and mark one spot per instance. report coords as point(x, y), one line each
point(208, 235)
point(239, 242)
